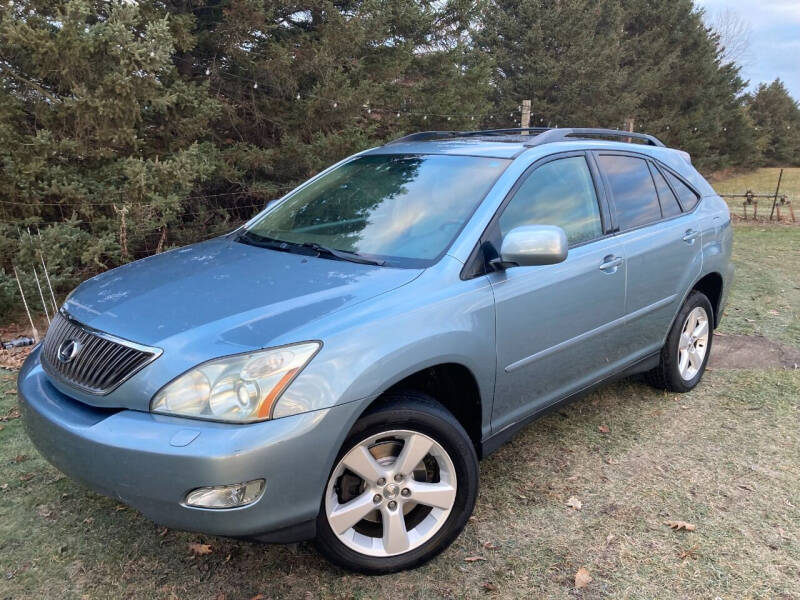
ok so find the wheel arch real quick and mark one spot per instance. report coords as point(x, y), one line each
point(711, 285)
point(450, 383)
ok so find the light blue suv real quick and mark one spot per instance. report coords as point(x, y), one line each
point(335, 368)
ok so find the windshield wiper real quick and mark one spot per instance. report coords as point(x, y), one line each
point(254, 239)
point(342, 254)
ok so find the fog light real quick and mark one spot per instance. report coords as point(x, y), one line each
point(226, 496)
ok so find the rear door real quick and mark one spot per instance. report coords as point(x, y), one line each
point(661, 242)
point(555, 332)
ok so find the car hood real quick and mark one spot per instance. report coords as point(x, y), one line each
point(224, 292)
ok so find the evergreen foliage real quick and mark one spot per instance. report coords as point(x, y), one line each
point(128, 127)
point(776, 115)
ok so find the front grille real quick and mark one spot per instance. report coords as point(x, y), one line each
point(100, 362)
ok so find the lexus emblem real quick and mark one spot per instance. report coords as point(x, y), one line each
point(68, 350)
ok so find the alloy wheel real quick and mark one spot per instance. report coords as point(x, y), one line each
point(391, 493)
point(693, 343)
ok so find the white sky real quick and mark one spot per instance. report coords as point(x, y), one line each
point(775, 35)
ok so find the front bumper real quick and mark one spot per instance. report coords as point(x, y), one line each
point(151, 462)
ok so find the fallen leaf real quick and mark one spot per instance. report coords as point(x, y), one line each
point(199, 549)
point(489, 546)
point(11, 415)
point(582, 578)
point(20, 458)
point(163, 532)
point(258, 597)
point(473, 558)
point(120, 508)
point(609, 538)
point(604, 429)
point(489, 587)
point(678, 525)
point(573, 502)
point(27, 476)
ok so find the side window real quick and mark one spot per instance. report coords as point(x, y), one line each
point(560, 192)
point(632, 186)
point(669, 203)
point(688, 198)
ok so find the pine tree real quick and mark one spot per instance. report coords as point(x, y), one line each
point(688, 96)
point(563, 55)
point(777, 118)
point(94, 115)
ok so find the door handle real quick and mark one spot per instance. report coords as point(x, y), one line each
point(690, 236)
point(610, 263)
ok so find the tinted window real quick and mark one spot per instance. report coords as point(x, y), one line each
point(669, 203)
point(405, 209)
point(688, 197)
point(559, 193)
point(634, 193)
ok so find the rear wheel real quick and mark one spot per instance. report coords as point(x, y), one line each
point(687, 349)
point(402, 488)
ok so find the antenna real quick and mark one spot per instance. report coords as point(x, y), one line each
point(46, 274)
point(41, 295)
point(49, 285)
point(27, 310)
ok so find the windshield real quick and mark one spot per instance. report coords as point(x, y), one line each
point(404, 210)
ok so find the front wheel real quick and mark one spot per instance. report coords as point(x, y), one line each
point(687, 349)
point(402, 489)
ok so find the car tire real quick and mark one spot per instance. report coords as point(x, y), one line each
point(685, 354)
point(399, 430)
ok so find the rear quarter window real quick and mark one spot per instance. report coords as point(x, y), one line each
point(687, 196)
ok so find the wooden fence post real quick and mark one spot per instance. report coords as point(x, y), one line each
point(775, 200)
point(629, 123)
point(525, 122)
point(123, 230)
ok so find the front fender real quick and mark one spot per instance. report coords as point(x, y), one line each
point(373, 346)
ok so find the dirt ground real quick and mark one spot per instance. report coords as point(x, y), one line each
point(752, 352)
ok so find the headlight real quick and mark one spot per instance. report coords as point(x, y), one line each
point(239, 389)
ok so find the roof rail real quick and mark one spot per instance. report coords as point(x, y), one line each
point(562, 134)
point(426, 136)
point(543, 135)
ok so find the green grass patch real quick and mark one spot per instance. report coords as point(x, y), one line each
point(765, 298)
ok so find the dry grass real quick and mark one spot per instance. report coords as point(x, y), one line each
point(724, 458)
point(761, 181)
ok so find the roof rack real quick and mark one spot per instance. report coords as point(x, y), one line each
point(543, 135)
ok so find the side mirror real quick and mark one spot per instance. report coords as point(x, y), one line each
point(531, 245)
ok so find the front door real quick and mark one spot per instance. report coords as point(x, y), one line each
point(555, 323)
